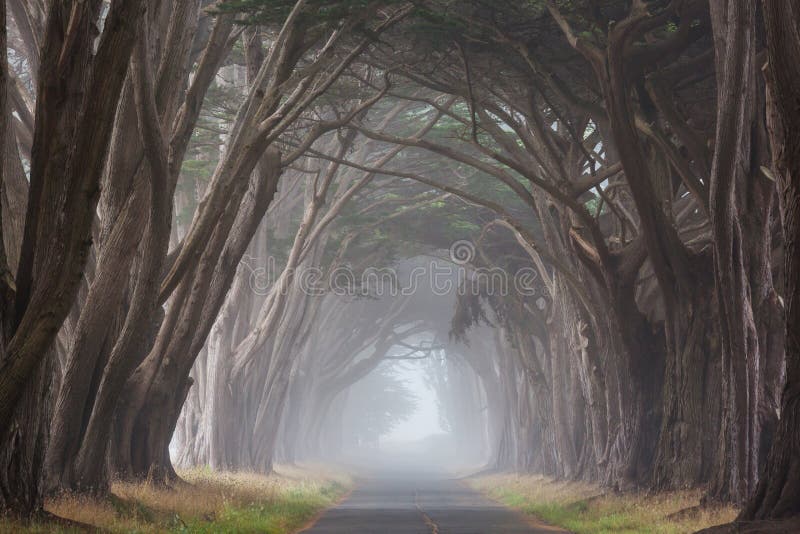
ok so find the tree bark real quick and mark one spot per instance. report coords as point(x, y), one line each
point(741, 202)
point(79, 86)
point(144, 427)
point(778, 492)
point(139, 161)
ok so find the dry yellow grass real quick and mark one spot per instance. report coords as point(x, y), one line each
point(589, 509)
point(207, 502)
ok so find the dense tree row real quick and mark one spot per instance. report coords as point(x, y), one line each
point(102, 271)
point(175, 173)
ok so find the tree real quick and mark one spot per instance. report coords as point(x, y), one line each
point(77, 94)
point(777, 495)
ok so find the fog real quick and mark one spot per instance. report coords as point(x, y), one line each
point(546, 237)
point(425, 420)
point(382, 380)
point(419, 438)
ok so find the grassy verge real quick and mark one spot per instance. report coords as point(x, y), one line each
point(209, 502)
point(588, 509)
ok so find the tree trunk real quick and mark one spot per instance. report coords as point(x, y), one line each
point(22, 447)
point(690, 418)
point(95, 333)
point(79, 86)
point(741, 206)
point(778, 492)
point(682, 457)
point(164, 374)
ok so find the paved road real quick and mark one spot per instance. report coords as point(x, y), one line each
point(421, 504)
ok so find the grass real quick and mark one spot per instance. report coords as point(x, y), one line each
point(208, 502)
point(589, 509)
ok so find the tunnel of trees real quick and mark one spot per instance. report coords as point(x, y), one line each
point(211, 212)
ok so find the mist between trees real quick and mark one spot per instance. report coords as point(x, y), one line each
point(183, 183)
point(436, 276)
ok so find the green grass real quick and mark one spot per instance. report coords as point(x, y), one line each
point(588, 509)
point(294, 509)
point(209, 503)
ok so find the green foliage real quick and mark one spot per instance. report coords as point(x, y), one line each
point(592, 205)
point(436, 28)
point(202, 156)
point(275, 11)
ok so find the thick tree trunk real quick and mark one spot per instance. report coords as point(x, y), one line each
point(689, 330)
point(538, 391)
point(95, 333)
point(690, 418)
point(23, 444)
point(144, 315)
point(124, 216)
point(778, 492)
point(79, 85)
point(741, 206)
point(164, 374)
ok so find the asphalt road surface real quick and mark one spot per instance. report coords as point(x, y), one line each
point(422, 503)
